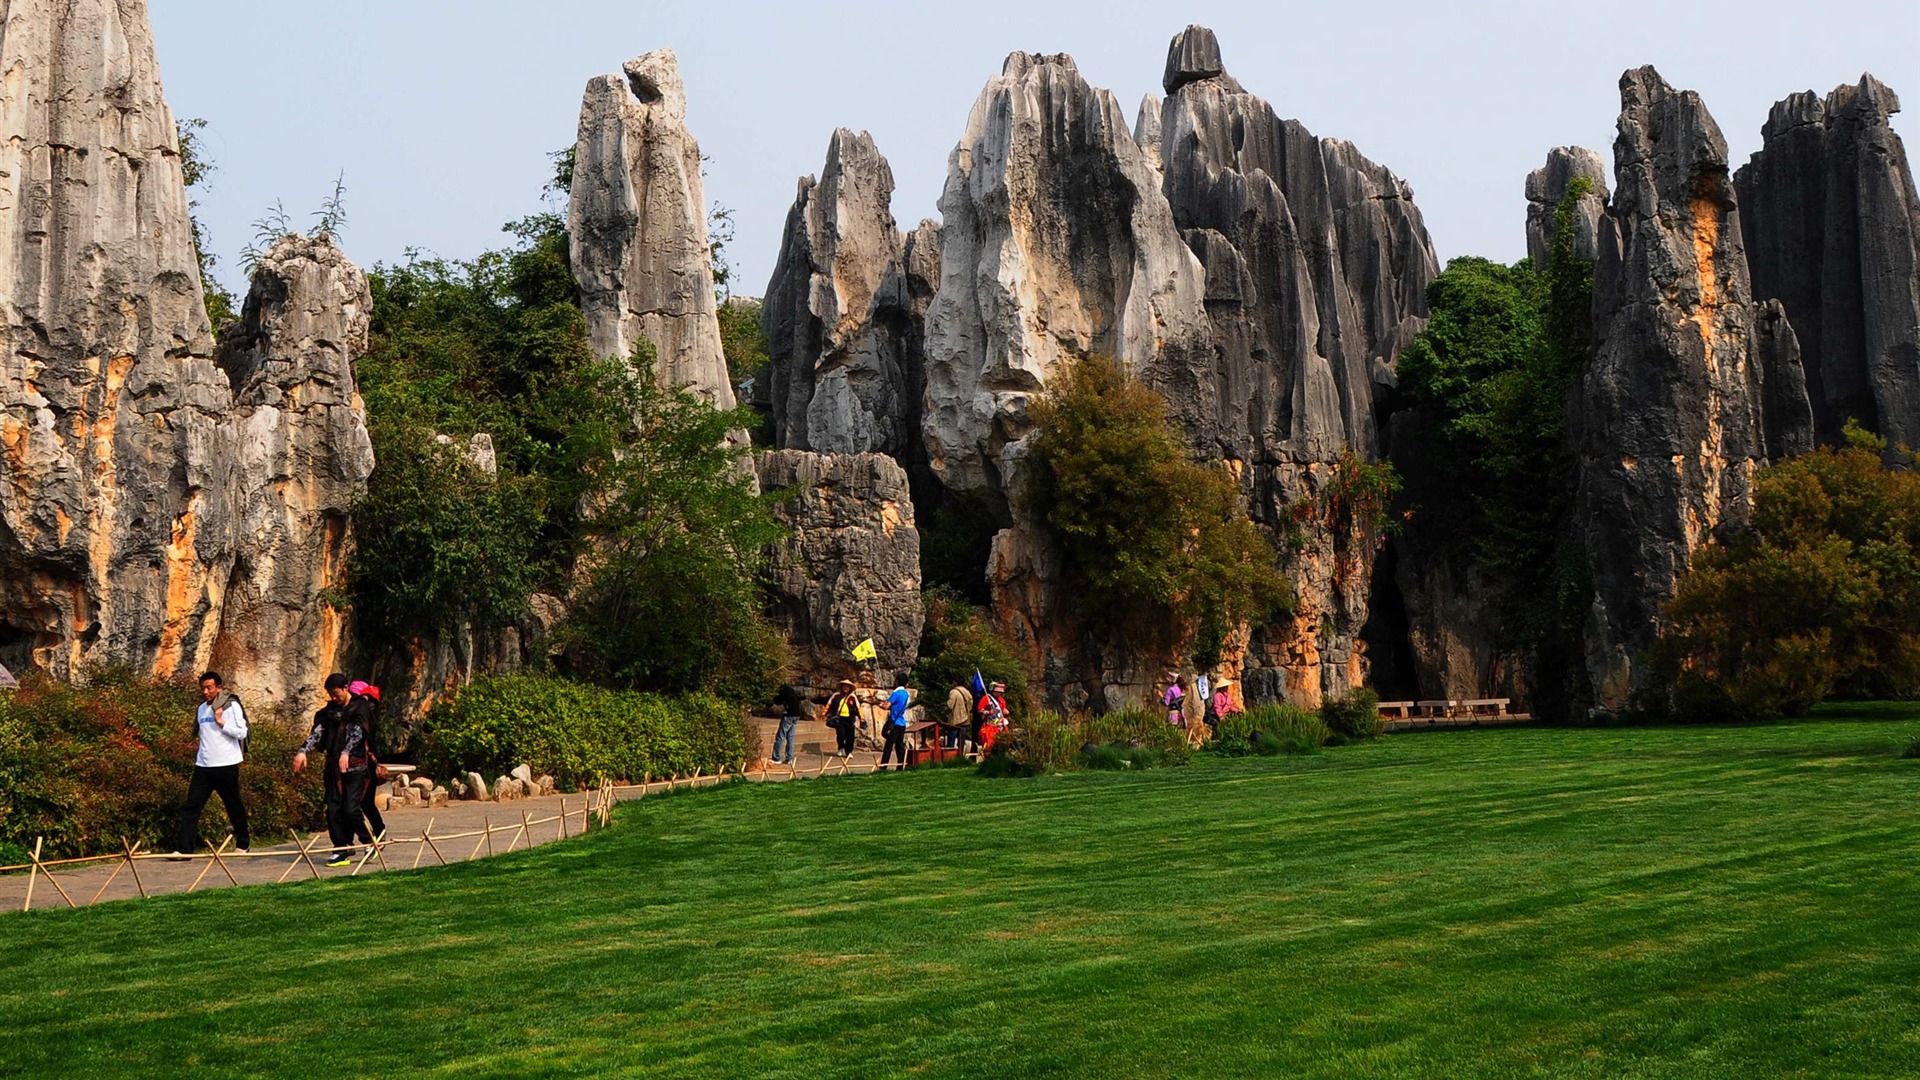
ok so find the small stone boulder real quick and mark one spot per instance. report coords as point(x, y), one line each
point(479, 786)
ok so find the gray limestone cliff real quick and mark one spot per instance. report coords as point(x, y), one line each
point(1547, 186)
point(303, 459)
point(116, 474)
point(845, 311)
point(1832, 225)
point(159, 509)
point(637, 225)
point(850, 569)
point(1317, 263)
point(1692, 386)
point(1055, 243)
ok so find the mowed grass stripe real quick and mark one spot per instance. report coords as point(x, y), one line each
point(1724, 902)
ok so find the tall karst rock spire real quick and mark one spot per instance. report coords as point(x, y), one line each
point(845, 311)
point(1056, 242)
point(114, 488)
point(1692, 385)
point(158, 510)
point(1832, 224)
point(637, 223)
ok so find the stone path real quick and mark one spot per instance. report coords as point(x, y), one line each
point(459, 832)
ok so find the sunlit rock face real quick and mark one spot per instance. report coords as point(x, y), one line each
point(637, 224)
point(845, 311)
point(1692, 387)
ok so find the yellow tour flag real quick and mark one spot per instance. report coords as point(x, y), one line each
point(865, 651)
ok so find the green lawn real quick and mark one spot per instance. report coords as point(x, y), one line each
point(1636, 902)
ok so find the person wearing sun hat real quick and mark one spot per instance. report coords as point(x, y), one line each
point(843, 714)
point(1173, 697)
point(1223, 703)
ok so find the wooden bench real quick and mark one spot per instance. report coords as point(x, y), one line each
point(1396, 710)
point(1437, 710)
point(1487, 706)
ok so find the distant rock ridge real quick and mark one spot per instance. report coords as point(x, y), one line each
point(1692, 385)
point(1547, 186)
point(1832, 223)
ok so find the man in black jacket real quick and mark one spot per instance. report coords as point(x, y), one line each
point(340, 732)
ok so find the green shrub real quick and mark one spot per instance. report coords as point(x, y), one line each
point(1354, 717)
point(581, 734)
point(87, 765)
point(1271, 729)
point(1047, 742)
point(957, 641)
point(1912, 749)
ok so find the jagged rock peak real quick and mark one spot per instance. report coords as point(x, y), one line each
point(1194, 54)
point(1832, 222)
point(1056, 241)
point(304, 457)
point(1547, 185)
point(114, 475)
point(637, 226)
point(1691, 386)
point(844, 376)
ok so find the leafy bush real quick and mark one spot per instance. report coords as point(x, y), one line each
point(1151, 537)
point(581, 734)
point(1912, 749)
point(86, 765)
point(1047, 742)
point(1132, 725)
point(1271, 729)
point(1354, 717)
point(1819, 597)
point(958, 640)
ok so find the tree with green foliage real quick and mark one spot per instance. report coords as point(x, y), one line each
point(1494, 372)
point(1151, 537)
point(957, 640)
point(669, 598)
point(607, 489)
point(195, 168)
point(1819, 597)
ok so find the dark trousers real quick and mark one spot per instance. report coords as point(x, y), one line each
point(845, 737)
point(208, 779)
point(895, 742)
point(375, 824)
point(973, 733)
point(345, 818)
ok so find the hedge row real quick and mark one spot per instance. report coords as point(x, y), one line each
point(86, 765)
point(581, 734)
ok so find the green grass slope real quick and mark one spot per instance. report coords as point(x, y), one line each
point(1652, 902)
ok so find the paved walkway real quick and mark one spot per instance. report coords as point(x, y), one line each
point(459, 830)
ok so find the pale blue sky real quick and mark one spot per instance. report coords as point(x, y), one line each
point(441, 113)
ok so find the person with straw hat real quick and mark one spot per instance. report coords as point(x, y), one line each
point(843, 714)
point(1223, 704)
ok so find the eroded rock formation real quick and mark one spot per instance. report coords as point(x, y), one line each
point(115, 496)
point(851, 568)
point(158, 509)
point(1547, 186)
point(304, 457)
point(1689, 376)
point(1317, 264)
point(1056, 242)
point(637, 224)
point(845, 311)
point(1832, 225)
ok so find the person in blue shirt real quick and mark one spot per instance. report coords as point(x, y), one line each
point(895, 735)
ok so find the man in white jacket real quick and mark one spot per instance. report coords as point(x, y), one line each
point(222, 725)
